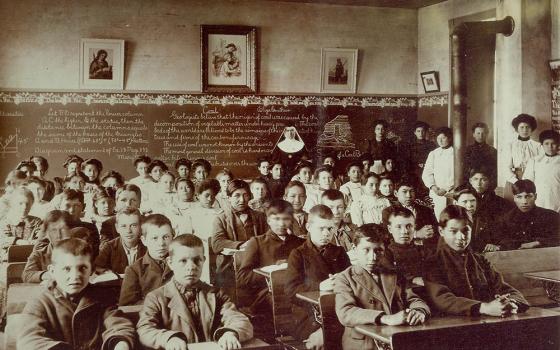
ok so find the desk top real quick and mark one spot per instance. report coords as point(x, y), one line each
point(549, 276)
point(21, 293)
point(386, 333)
point(253, 343)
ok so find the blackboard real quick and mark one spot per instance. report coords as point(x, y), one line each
point(229, 131)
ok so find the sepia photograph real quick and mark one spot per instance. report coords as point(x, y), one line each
point(280, 175)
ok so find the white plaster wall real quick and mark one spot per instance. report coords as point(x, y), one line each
point(39, 42)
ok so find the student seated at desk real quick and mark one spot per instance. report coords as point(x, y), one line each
point(71, 313)
point(18, 227)
point(233, 228)
point(186, 310)
point(268, 249)
point(128, 196)
point(528, 226)
point(151, 271)
point(56, 227)
point(408, 257)
point(123, 251)
point(310, 267)
point(295, 195)
point(72, 201)
point(361, 291)
point(344, 231)
point(460, 282)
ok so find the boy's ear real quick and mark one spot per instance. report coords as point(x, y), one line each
point(142, 239)
point(440, 230)
point(168, 260)
point(50, 269)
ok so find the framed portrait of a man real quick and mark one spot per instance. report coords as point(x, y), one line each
point(339, 70)
point(229, 59)
point(102, 64)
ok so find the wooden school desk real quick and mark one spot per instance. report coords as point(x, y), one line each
point(551, 282)
point(250, 344)
point(323, 306)
point(535, 329)
point(281, 304)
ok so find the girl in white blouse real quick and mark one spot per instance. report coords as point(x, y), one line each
point(438, 173)
point(520, 151)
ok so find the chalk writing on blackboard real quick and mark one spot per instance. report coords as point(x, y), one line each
point(11, 142)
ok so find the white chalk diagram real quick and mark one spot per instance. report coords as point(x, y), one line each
point(337, 134)
point(9, 144)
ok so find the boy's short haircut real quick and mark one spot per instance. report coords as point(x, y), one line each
point(445, 131)
point(368, 176)
point(208, 184)
point(278, 206)
point(54, 216)
point(74, 174)
point(186, 240)
point(262, 160)
point(549, 135)
point(464, 189)
point(129, 212)
point(203, 163)
point(72, 159)
point(355, 163)
point(73, 246)
point(225, 171)
point(372, 233)
point(114, 174)
point(453, 212)
point(28, 164)
point(131, 188)
point(142, 159)
point(394, 211)
point(521, 186)
point(294, 183)
point(92, 161)
point(101, 193)
point(43, 161)
point(183, 161)
point(237, 184)
point(259, 180)
point(479, 125)
point(421, 124)
point(321, 211)
point(323, 168)
point(189, 183)
point(479, 170)
point(155, 163)
point(157, 220)
point(386, 177)
point(303, 164)
point(406, 181)
point(71, 194)
point(25, 192)
point(333, 195)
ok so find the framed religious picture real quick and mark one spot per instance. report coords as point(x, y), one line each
point(229, 59)
point(430, 80)
point(101, 64)
point(339, 70)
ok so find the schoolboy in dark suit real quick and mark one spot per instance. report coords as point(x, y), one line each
point(295, 194)
point(311, 266)
point(151, 271)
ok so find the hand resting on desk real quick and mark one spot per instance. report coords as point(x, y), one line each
point(412, 317)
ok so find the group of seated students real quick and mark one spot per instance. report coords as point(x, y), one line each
point(363, 234)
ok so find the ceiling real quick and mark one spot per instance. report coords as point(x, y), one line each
point(411, 4)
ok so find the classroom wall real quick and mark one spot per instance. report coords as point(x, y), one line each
point(39, 39)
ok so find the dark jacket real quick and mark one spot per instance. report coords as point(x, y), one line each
point(307, 268)
point(108, 230)
point(539, 224)
point(52, 321)
point(481, 155)
point(37, 263)
point(424, 217)
point(262, 251)
point(141, 278)
point(457, 282)
point(382, 150)
point(113, 257)
point(410, 259)
point(297, 229)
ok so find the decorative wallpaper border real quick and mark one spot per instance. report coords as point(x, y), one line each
point(202, 99)
point(433, 100)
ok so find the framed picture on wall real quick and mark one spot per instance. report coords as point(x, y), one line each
point(430, 80)
point(229, 59)
point(339, 70)
point(101, 64)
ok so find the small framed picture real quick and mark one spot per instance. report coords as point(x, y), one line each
point(339, 70)
point(430, 80)
point(229, 59)
point(555, 70)
point(101, 64)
